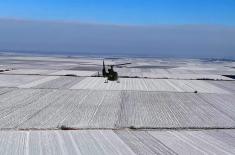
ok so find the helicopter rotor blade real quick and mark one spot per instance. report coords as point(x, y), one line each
point(120, 64)
point(123, 64)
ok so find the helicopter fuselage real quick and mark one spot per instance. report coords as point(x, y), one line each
point(110, 74)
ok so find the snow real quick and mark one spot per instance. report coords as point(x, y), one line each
point(122, 142)
point(153, 110)
point(138, 84)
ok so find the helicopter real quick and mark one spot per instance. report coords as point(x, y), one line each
point(111, 74)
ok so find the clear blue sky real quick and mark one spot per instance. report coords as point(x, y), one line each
point(123, 11)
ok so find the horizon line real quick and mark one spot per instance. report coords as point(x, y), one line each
point(63, 21)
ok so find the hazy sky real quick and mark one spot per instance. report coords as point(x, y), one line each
point(165, 28)
point(166, 41)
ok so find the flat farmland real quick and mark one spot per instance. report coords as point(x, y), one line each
point(62, 105)
point(52, 108)
point(166, 85)
point(117, 142)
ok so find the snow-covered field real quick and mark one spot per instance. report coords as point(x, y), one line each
point(90, 142)
point(58, 105)
point(52, 108)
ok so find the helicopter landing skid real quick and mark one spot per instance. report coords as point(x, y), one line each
point(107, 81)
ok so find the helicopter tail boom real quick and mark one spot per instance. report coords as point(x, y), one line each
point(104, 70)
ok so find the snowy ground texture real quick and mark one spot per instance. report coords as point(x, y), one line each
point(58, 105)
point(118, 142)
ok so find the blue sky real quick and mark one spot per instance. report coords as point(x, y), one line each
point(133, 12)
